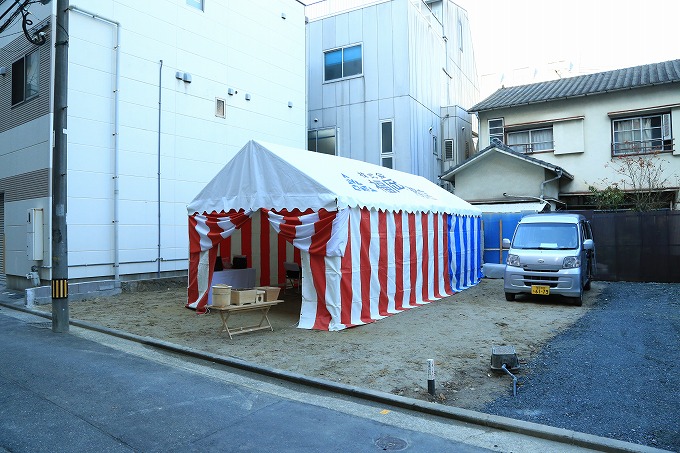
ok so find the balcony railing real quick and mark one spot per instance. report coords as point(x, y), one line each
point(642, 147)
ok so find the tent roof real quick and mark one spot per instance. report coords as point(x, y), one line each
point(263, 175)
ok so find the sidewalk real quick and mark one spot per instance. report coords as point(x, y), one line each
point(87, 391)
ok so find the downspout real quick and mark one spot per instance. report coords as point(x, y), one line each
point(160, 79)
point(116, 144)
point(558, 170)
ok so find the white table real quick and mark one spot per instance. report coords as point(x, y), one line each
point(236, 278)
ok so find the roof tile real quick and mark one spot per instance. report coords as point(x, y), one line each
point(618, 79)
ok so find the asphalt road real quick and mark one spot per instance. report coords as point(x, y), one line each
point(615, 373)
point(60, 392)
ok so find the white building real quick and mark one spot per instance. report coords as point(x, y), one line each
point(161, 94)
point(389, 83)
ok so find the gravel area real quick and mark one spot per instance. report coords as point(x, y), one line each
point(614, 373)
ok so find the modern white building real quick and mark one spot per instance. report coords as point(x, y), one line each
point(389, 83)
point(161, 94)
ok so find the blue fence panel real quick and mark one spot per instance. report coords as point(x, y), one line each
point(496, 227)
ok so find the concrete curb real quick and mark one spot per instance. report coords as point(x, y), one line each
point(463, 415)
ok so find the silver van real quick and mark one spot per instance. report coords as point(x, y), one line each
point(551, 253)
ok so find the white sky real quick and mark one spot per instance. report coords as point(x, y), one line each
point(592, 35)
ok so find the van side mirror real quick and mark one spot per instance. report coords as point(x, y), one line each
point(506, 243)
point(588, 244)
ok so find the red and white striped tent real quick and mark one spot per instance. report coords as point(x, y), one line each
point(371, 241)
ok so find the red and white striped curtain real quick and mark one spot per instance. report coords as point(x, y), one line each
point(323, 232)
point(392, 262)
point(358, 265)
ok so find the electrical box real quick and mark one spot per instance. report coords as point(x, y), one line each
point(34, 234)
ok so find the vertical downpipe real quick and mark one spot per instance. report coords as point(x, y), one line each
point(116, 164)
point(160, 88)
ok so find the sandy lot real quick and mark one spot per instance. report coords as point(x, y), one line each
point(389, 355)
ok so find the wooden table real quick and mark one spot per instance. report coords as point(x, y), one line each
point(225, 313)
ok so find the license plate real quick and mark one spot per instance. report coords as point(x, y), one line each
point(540, 289)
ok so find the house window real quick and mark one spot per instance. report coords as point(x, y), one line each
point(386, 141)
point(496, 130)
point(198, 4)
point(531, 141)
point(25, 78)
point(343, 62)
point(642, 134)
point(322, 141)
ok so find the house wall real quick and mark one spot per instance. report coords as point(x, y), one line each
point(247, 47)
point(494, 175)
point(403, 80)
point(583, 143)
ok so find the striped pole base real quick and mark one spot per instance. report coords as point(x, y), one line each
point(60, 288)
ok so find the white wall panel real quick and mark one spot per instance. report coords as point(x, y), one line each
point(385, 51)
point(138, 237)
point(370, 52)
point(92, 107)
point(89, 185)
point(329, 33)
point(83, 259)
point(132, 138)
point(342, 30)
point(357, 131)
point(91, 159)
point(89, 237)
point(138, 116)
point(371, 149)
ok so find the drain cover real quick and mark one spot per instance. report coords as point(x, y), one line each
point(42, 325)
point(389, 443)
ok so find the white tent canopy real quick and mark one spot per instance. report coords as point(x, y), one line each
point(279, 177)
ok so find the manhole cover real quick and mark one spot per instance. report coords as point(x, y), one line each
point(389, 443)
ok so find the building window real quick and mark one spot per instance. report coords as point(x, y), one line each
point(322, 141)
point(25, 78)
point(343, 62)
point(531, 141)
point(642, 134)
point(198, 4)
point(496, 130)
point(220, 108)
point(386, 142)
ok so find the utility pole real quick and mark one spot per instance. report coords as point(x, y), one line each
point(60, 309)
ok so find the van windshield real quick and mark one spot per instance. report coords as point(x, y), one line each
point(546, 236)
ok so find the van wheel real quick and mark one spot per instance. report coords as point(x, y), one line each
point(578, 300)
point(589, 276)
point(509, 297)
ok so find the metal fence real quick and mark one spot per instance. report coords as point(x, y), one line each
point(637, 246)
point(630, 246)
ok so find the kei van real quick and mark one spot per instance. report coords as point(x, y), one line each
point(550, 253)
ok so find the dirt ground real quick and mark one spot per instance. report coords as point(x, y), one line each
point(389, 355)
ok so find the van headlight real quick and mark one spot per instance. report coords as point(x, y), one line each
point(571, 262)
point(513, 260)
